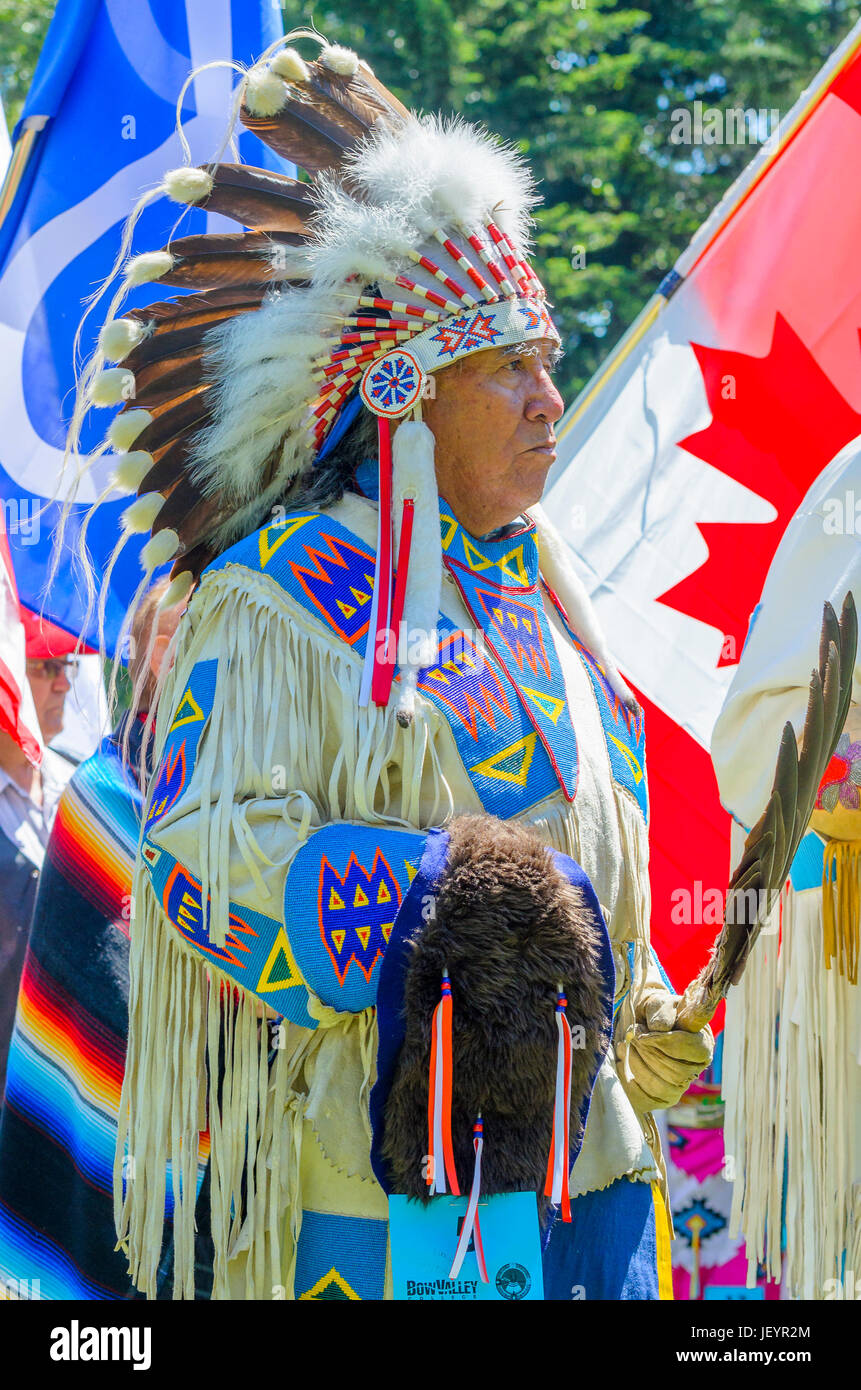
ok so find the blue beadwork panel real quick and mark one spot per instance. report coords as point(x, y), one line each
point(256, 951)
point(328, 572)
point(516, 629)
point(498, 746)
point(624, 732)
point(322, 566)
point(340, 1258)
point(506, 702)
point(180, 748)
point(342, 895)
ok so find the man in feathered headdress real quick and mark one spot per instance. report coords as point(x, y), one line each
point(391, 927)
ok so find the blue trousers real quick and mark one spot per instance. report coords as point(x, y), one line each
point(616, 1246)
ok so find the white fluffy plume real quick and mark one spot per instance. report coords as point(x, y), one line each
point(443, 172)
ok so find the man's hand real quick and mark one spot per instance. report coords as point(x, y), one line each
point(656, 1068)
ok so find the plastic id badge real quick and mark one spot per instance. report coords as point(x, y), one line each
point(423, 1240)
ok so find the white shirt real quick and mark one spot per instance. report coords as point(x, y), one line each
point(21, 820)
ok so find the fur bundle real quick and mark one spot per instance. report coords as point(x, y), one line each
point(509, 928)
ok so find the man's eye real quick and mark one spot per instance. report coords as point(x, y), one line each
point(515, 363)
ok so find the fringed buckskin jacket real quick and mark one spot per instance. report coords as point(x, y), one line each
point(281, 833)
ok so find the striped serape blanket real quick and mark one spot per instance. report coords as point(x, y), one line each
point(65, 1069)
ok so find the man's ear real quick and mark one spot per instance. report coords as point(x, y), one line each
point(157, 655)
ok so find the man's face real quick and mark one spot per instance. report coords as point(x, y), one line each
point(492, 419)
point(49, 682)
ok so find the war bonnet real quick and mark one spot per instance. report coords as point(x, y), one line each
point(402, 249)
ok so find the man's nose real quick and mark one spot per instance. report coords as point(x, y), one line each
point(62, 683)
point(545, 402)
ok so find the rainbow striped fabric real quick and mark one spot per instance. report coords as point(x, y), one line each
point(66, 1060)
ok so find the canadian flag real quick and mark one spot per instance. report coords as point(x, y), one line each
point(684, 460)
point(17, 711)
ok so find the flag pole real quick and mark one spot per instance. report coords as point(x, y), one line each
point(706, 235)
point(614, 360)
point(15, 171)
point(17, 167)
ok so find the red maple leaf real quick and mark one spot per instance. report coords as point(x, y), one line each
point(777, 421)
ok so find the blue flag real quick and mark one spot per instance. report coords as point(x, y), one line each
point(97, 130)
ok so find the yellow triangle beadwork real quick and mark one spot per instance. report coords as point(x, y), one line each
point(518, 572)
point(360, 897)
point(511, 565)
point(383, 894)
point(193, 712)
point(335, 900)
point(629, 757)
point(274, 536)
point(452, 528)
point(475, 559)
point(490, 767)
point(325, 1282)
point(551, 705)
point(187, 908)
point(288, 973)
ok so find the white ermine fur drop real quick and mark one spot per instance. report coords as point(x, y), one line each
point(150, 265)
point(177, 590)
point(414, 476)
point(117, 338)
point(265, 93)
point(112, 386)
point(159, 549)
point(131, 470)
point(140, 516)
point(559, 572)
point(289, 65)
point(343, 61)
point(187, 185)
point(126, 427)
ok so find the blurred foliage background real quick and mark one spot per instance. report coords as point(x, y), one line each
point(586, 88)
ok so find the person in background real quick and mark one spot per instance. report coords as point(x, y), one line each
point(58, 1131)
point(28, 804)
point(791, 1065)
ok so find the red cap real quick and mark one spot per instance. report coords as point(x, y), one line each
point(43, 639)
